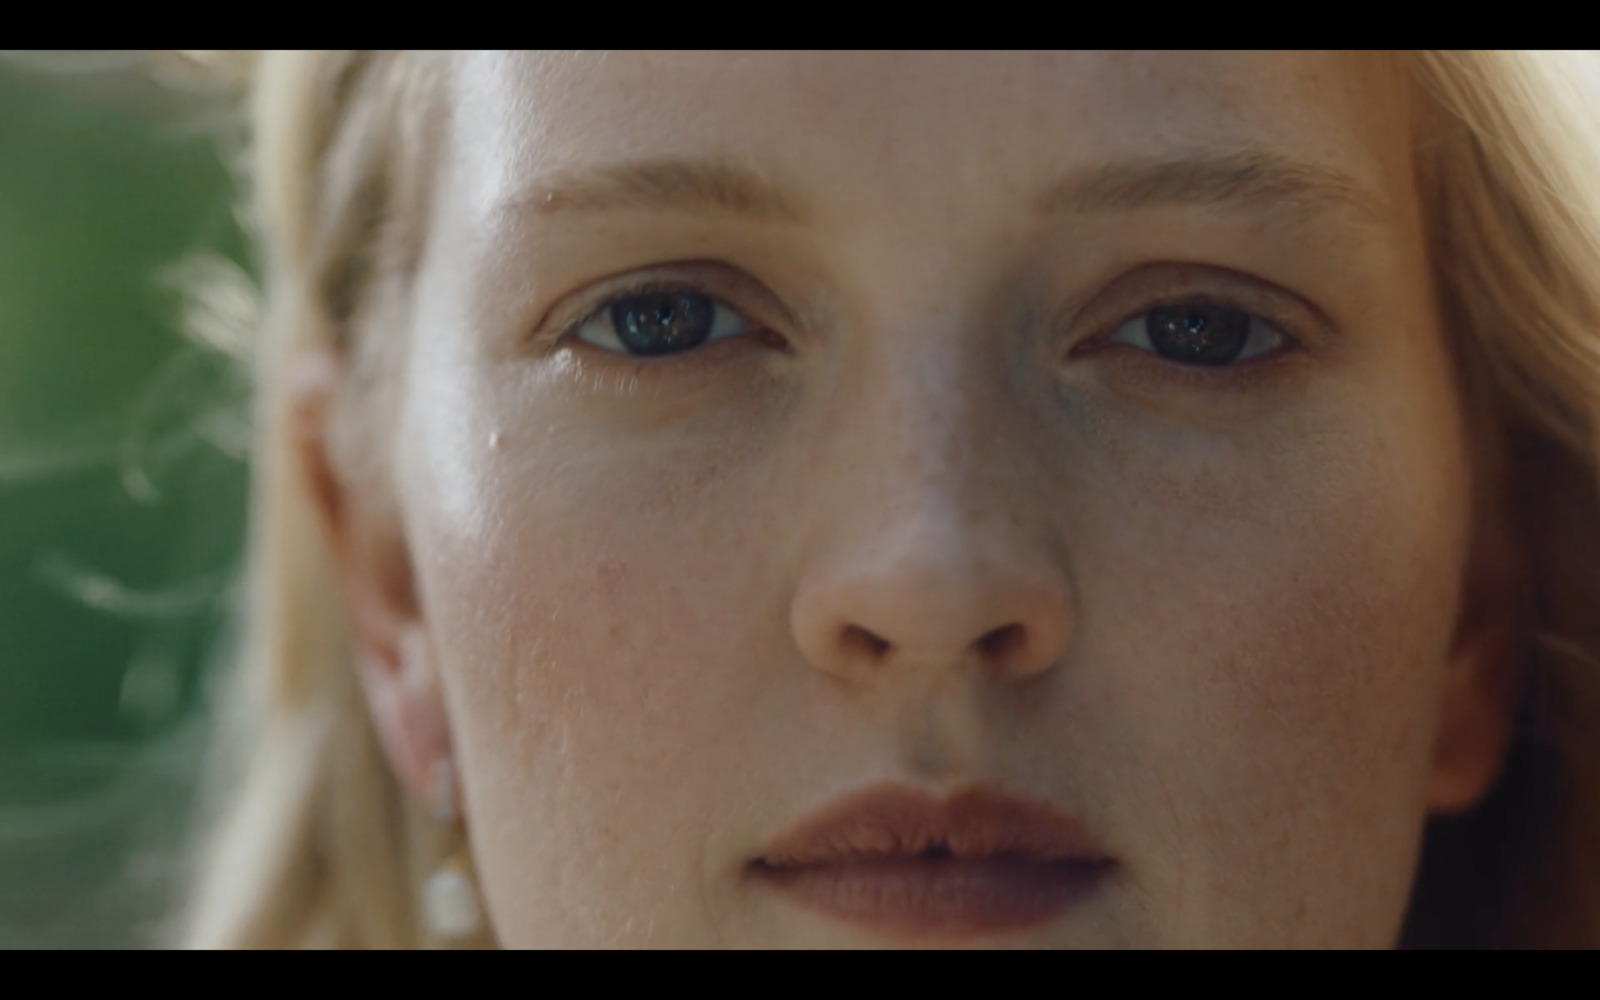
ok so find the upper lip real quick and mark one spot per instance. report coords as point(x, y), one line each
point(899, 822)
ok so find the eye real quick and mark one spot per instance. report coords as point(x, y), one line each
point(658, 322)
point(1199, 334)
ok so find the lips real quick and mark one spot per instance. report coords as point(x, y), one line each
point(906, 863)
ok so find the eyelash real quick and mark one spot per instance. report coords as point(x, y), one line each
point(1271, 323)
point(720, 304)
point(1268, 324)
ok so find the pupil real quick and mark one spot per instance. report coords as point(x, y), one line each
point(662, 322)
point(1198, 335)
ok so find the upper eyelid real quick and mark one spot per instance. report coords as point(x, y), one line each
point(1095, 342)
point(1285, 310)
point(1286, 338)
point(1180, 301)
point(644, 288)
point(714, 281)
point(1293, 316)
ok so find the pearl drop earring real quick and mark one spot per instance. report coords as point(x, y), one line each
point(450, 898)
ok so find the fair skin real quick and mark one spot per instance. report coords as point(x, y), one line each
point(930, 508)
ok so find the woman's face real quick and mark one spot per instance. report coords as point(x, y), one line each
point(936, 499)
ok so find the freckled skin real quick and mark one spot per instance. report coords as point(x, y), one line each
point(1241, 594)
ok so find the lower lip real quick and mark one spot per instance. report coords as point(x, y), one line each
point(941, 897)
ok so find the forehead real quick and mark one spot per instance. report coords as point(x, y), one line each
point(877, 124)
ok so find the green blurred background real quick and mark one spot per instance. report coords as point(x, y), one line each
point(121, 495)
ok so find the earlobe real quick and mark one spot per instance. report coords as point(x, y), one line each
point(1473, 739)
point(393, 654)
point(1479, 705)
point(407, 708)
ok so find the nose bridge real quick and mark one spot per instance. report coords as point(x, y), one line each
point(919, 426)
point(930, 553)
point(929, 436)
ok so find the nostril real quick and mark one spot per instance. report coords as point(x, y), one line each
point(1001, 644)
point(861, 641)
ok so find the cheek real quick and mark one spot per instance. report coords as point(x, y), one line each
point(1267, 619)
point(606, 626)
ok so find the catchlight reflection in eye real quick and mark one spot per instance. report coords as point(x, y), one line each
point(1199, 334)
point(660, 322)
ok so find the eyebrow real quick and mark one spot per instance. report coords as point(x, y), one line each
point(1242, 177)
point(1249, 177)
point(665, 185)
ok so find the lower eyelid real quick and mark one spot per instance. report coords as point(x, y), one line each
point(1281, 332)
point(729, 323)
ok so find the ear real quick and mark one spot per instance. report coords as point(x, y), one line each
point(1479, 700)
point(394, 657)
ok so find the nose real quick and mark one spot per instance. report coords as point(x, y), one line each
point(940, 555)
point(906, 607)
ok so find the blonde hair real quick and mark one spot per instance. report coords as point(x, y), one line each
point(315, 844)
